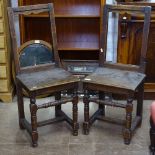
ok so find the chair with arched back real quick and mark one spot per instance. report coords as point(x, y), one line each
point(38, 72)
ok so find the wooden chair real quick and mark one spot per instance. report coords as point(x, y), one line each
point(38, 72)
point(152, 129)
point(116, 78)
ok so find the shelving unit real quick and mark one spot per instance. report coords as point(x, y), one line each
point(77, 26)
point(6, 85)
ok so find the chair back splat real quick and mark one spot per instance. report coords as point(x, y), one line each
point(27, 10)
point(125, 10)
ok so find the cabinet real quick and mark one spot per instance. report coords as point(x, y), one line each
point(131, 34)
point(77, 26)
point(129, 43)
point(6, 86)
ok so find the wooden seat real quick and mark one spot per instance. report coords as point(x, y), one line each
point(116, 78)
point(50, 77)
point(39, 73)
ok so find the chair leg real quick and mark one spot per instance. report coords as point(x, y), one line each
point(21, 113)
point(58, 107)
point(152, 137)
point(140, 102)
point(33, 110)
point(127, 131)
point(75, 114)
point(86, 113)
point(101, 106)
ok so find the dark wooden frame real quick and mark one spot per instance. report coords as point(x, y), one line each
point(48, 89)
point(88, 86)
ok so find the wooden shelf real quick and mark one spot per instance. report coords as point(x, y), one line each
point(69, 14)
point(78, 8)
point(91, 46)
point(77, 26)
point(65, 16)
point(71, 8)
point(78, 13)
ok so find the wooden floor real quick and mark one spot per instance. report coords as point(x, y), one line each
point(104, 138)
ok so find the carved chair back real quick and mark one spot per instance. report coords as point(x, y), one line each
point(33, 54)
point(125, 10)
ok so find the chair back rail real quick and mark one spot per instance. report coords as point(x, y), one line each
point(33, 9)
point(145, 10)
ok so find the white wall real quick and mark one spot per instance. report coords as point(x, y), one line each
point(14, 3)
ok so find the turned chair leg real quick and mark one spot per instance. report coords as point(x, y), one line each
point(101, 106)
point(86, 113)
point(75, 114)
point(21, 113)
point(58, 107)
point(152, 137)
point(140, 102)
point(33, 110)
point(127, 131)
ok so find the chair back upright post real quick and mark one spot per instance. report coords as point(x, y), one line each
point(146, 11)
point(26, 10)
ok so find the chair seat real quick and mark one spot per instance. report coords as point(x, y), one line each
point(46, 78)
point(115, 78)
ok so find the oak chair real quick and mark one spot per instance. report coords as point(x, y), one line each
point(152, 129)
point(117, 78)
point(38, 72)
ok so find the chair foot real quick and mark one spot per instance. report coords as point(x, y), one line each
point(127, 136)
point(75, 129)
point(139, 124)
point(34, 139)
point(34, 144)
point(152, 150)
point(127, 141)
point(75, 133)
point(86, 132)
point(86, 128)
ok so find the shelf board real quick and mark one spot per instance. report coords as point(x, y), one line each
point(91, 46)
point(76, 16)
point(70, 13)
point(65, 16)
point(77, 13)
